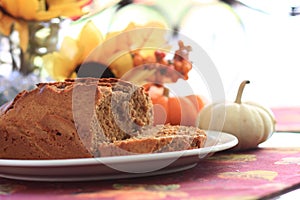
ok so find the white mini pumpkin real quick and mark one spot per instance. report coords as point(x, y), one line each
point(251, 123)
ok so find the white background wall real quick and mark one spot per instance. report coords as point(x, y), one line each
point(266, 52)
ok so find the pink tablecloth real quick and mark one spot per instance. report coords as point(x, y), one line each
point(288, 119)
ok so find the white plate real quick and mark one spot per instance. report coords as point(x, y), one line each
point(87, 169)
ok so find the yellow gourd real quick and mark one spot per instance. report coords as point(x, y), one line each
point(251, 123)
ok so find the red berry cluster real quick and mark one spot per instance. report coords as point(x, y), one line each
point(166, 70)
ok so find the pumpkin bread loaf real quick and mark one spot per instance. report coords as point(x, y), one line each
point(83, 118)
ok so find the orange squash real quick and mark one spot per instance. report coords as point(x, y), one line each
point(181, 111)
point(160, 110)
point(174, 110)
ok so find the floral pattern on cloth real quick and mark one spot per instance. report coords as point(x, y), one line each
point(258, 173)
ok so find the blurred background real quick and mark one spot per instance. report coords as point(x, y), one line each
point(257, 40)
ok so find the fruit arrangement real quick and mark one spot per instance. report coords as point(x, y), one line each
point(155, 70)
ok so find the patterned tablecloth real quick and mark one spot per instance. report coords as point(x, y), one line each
point(288, 119)
point(257, 174)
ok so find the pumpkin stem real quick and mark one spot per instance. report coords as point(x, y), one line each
point(166, 92)
point(240, 92)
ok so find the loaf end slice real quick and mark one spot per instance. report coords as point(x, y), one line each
point(158, 139)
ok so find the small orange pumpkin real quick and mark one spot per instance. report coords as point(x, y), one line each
point(174, 110)
point(181, 111)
